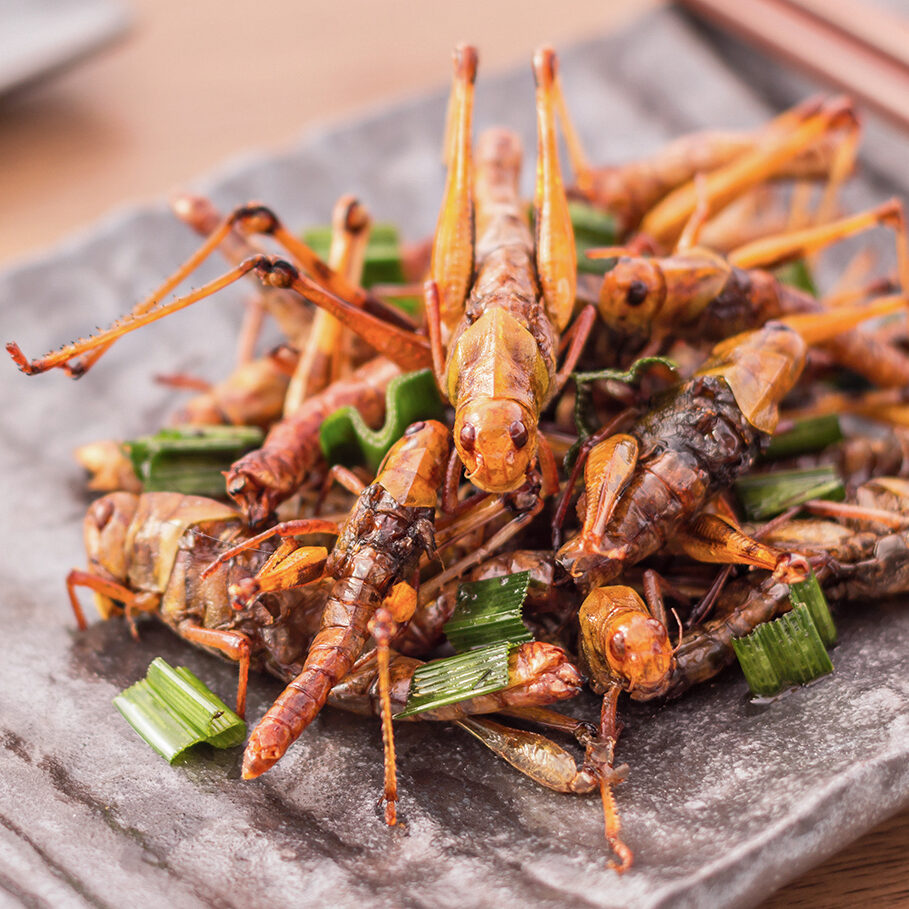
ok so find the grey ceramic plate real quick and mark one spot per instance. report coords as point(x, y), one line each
point(724, 802)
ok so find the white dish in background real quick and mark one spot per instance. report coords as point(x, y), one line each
point(40, 37)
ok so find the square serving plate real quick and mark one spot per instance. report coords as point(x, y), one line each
point(724, 803)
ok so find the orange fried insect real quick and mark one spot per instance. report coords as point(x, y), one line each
point(380, 544)
point(262, 479)
point(621, 641)
point(646, 486)
point(630, 191)
point(697, 294)
point(501, 301)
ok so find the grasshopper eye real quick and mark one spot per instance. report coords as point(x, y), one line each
point(468, 436)
point(518, 433)
point(617, 646)
point(636, 293)
point(658, 628)
point(414, 428)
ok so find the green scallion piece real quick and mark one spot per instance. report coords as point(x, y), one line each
point(457, 678)
point(765, 495)
point(759, 671)
point(346, 439)
point(489, 612)
point(172, 710)
point(786, 651)
point(190, 459)
point(809, 593)
point(812, 434)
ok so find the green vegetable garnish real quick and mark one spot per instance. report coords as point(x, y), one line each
point(489, 612)
point(487, 625)
point(172, 710)
point(789, 650)
point(458, 678)
point(190, 459)
point(346, 439)
point(765, 495)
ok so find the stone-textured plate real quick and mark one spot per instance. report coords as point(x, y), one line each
point(724, 802)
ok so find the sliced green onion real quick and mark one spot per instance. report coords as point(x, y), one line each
point(190, 459)
point(759, 671)
point(765, 495)
point(809, 435)
point(808, 593)
point(457, 678)
point(172, 710)
point(346, 439)
point(797, 274)
point(489, 612)
point(786, 651)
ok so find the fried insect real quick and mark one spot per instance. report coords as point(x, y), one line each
point(380, 544)
point(146, 554)
point(632, 191)
point(697, 295)
point(501, 301)
point(262, 479)
point(863, 560)
point(643, 487)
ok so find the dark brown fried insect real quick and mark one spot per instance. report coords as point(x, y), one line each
point(381, 542)
point(863, 561)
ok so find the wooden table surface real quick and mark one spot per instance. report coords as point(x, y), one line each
point(178, 96)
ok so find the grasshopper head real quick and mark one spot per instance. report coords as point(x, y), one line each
point(632, 293)
point(621, 642)
point(639, 652)
point(496, 439)
point(104, 530)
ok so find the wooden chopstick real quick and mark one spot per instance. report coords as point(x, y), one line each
point(876, 28)
point(826, 51)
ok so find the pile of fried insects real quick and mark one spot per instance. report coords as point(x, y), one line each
point(629, 379)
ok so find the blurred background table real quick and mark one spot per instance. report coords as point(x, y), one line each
point(179, 95)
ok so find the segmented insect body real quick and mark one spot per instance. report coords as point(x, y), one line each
point(864, 565)
point(262, 479)
point(695, 441)
point(390, 527)
point(643, 486)
point(629, 191)
point(501, 361)
point(621, 642)
point(146, 554)
point(698, 295)
point(505, 298)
